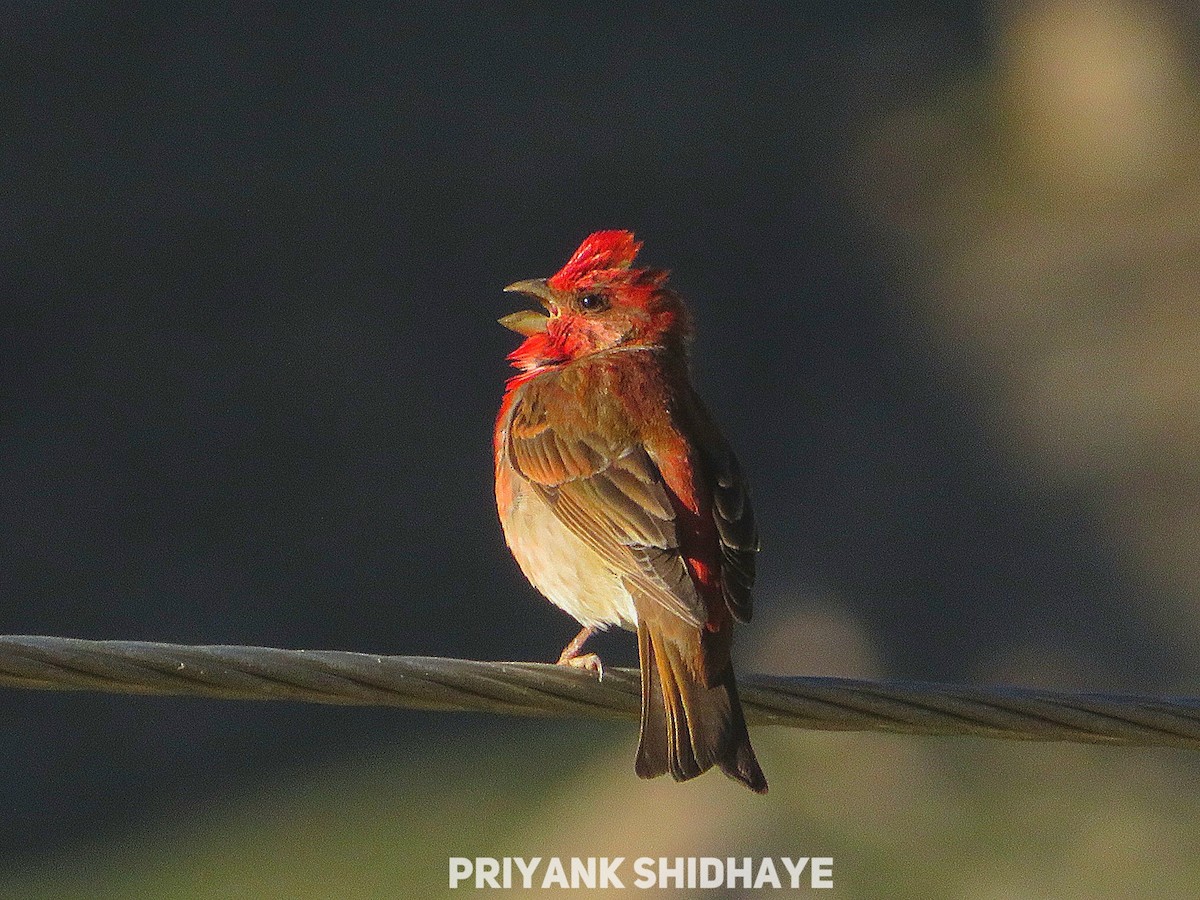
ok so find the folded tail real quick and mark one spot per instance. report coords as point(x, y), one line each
point(689, 726)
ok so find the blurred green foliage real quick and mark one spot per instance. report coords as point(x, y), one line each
point(901, 816)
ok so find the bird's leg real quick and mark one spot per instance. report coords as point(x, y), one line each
point(571, 651)
point(571, 655)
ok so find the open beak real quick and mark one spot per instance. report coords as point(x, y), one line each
point(529, 322)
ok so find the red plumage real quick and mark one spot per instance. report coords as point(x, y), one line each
point(623, 503)
point(601, 251)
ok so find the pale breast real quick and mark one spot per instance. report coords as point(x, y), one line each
point(568, 572)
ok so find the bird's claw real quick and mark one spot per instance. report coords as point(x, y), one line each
point(589, 662)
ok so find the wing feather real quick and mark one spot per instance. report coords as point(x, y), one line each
point(610, 494)
point(732, 513)
point(736, 526)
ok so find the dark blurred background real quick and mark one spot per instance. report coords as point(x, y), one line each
point(942, 259)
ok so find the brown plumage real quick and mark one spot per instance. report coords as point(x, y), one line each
point(623, 503)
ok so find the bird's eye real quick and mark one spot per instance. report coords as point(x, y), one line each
point(593, 302)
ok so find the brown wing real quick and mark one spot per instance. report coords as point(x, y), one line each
point(606, 490)
point(732, 512)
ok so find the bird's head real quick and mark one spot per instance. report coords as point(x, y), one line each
point(597, 301)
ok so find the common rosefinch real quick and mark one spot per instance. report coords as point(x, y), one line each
point(622, 502)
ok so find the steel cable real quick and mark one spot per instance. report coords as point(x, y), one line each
point(537, 689)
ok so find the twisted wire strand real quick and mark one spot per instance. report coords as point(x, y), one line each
point(537, 689)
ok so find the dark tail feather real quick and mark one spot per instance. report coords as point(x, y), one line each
point(687, 728)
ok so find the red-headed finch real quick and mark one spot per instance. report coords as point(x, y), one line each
point(622, 502)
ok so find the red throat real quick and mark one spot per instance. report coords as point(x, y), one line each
point(604, 262)
point(537, 352)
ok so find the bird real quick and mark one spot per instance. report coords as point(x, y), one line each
point(623, 503)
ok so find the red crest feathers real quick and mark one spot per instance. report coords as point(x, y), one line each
point(600, 251)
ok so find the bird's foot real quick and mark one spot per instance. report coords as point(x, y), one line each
point(589, 662)
point(572, 654)
point(575, 647)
